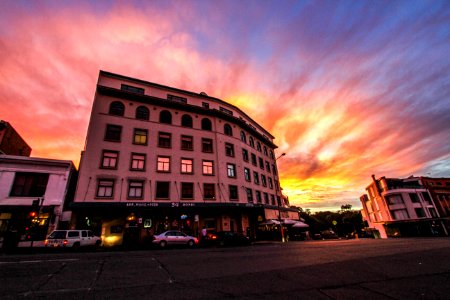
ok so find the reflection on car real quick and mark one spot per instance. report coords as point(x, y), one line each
point(174, 237)
point(225, 238)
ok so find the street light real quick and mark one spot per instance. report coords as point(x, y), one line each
point(279, 207)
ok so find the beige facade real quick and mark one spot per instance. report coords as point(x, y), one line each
point(174, 158)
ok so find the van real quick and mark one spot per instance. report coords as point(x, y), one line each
point(72, 239)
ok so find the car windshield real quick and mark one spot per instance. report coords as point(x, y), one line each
point(57, 235)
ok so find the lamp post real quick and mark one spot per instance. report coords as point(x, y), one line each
point(279, 206)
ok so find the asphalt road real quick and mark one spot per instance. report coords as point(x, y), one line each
point(343, 269)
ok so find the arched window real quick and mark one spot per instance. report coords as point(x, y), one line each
point(227, 129)
point(243, 137)
point(117, 108)
point(142, 113)
point(251, 142)
point(258, 146)
point(206, 124)
point(165, 117)
point(186, 121)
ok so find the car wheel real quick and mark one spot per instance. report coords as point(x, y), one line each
point(163, 244)
point(191, 243)
point(97, 243)
point(222, 243)
point(76, 245)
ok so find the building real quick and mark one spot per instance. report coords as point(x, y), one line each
point(33, 194)
point(401, 207)
point(439, 189)
point(11, 142)
point(158, 157)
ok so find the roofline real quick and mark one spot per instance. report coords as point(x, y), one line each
point(36, 160)
point(160, 86)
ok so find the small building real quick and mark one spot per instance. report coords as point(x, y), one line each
point(33, 195)
point(401, 207)
point(11, 142)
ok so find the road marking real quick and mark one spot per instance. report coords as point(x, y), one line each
point(37, 261)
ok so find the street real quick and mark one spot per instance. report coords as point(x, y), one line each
point(332, 269)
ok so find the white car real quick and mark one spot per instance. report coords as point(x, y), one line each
point(174, 237)
point(72, 239)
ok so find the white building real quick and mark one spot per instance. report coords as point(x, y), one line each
point(400, 207)
point(33, 192)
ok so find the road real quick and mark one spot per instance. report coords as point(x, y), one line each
point(341, 269)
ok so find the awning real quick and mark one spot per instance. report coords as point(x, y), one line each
point(270, 222)
point(300, 225)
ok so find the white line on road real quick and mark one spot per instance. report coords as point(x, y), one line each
point(37, 261)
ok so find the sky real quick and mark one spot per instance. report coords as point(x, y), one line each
point(348, 88)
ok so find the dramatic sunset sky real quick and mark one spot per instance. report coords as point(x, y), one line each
point(348, 89)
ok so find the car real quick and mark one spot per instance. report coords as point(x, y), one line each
point(72, 239)
point(328, 235)
point(226, 238)
point(174, 237)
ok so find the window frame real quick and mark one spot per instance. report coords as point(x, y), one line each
point(163, 137)
point(135, 135)
point(205, 191)
point(207, 141)
point(111, 184)
point(229, 149)
point(141, 188)
point(111, 131)
point(187, 139)
point(231, 170)
point(208, 167)
point(157, 185)
point(183, 188)
point(184, 164)
point(102, 161)
point(163, 164)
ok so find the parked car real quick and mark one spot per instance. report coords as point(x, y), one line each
point(72, 239)
point(226, 238)
point(174, 237)
point(328, 234)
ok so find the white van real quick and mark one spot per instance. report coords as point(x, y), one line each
point(72, 238)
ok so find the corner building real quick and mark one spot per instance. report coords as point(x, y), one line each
point(159, 158)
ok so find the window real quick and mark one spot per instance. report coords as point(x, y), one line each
point(258, 146)
point(255, 177)
point(227, 130)
point(137, 162)
point(229, 149)
point(29, 184)
point(426, 197)
point(164, 140)
point(206, 124)
point(249, 195)
point(414, 198)
point(267, 166)
point(247, 174)
point(105, 188)
point(265, 151)
point(395, 199)
point(186, 121)
point(231, 170)
point(176, 98)
point(420, 213)
point(187, 190)
point(186, 166)
point(224, 110)
point(163, 164)
point(209, 191)
point(205, 104)
point(165, 117)
point(251, 142)
point(162, 189)
point(244, 154)
point(243, 137)
point(253, 159)
point(132, 89)
point(433, 212)
point(272, 199)
point(207, 145)
point(142, 113)
point(140, 137)
point(277, 186)
point(135, 189)
point(261, 163)
point(270, 183)
point(274, 169)
point(117, 108)
point(271, 154)
point(258, 197)
point(263, 180)
point(233, 191)
point(187, 142)
point(109, 159)
point(208, 167)
point(266, 198)
point(113, 133)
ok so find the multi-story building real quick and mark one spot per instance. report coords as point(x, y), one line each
point(158, 157)
point(11, 142)
point(401, 207)
point(33, 194)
